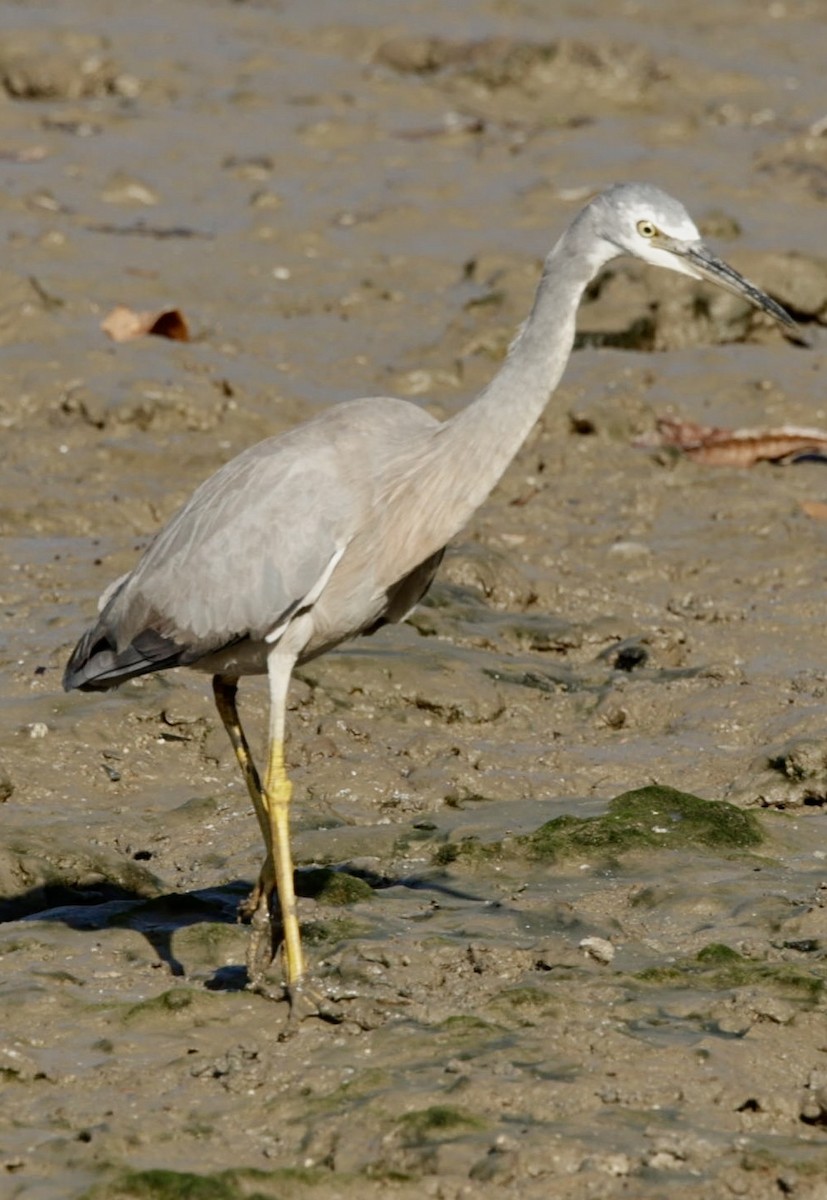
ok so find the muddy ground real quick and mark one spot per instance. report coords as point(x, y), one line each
point(355, 199)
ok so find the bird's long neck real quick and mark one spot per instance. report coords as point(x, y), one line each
point(483, 438)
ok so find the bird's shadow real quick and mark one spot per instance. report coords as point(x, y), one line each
point(92, 908)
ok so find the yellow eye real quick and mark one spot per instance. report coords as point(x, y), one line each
point(646, 229)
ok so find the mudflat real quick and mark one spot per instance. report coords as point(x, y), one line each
point(560, 837)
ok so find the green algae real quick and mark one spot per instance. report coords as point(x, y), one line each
point(649, 817)
point(332, 887)
point(523, 1003)
point(170, 1003)
point(161, 1184)
point(439, 1120)
point(331, 931)
point(207, 942)
point(466, 1024)
point(364, 1084)
point(719, 954)
point(720, 968)
point(653, 817)
point(362, 1088)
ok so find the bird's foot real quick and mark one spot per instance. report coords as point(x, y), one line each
point(265, 938)
point(248, 908)
point(307, 996)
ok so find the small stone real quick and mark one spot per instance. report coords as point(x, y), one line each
point(600, 949)
point(125, 190)
point(504, 1144)
point(617, 1165)
point(629, 550)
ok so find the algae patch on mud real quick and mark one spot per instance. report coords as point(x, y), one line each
point(653, 817)
point(648, 817)
point(160, 1184)
point(720, 968)
point(331, 887)
point(196, 1006)
point(439, 1120)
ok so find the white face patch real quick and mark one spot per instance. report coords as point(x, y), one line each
point(653, 229)
point(663, 258)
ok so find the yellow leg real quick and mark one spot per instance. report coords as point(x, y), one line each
point(276, 796)
point(306, 998)
point(278, 791)
point(272, 808)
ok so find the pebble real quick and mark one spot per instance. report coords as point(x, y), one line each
point(600, 949)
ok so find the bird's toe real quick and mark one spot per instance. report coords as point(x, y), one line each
point(309, 998)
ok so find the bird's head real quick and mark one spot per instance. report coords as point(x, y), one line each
point(641, 220)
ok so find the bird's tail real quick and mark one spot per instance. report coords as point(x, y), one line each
point(96, 664)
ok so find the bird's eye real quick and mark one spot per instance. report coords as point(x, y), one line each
point(646, 229)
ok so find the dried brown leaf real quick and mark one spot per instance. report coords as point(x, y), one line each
point(25, 154)
point(715, 446)
point(123, 324)
point(816, 509)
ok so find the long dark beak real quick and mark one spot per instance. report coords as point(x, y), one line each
point(701, 261)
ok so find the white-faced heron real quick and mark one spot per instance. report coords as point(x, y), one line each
point(338, 526)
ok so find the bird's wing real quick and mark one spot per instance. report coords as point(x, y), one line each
point(251, 546)
point(260, 539)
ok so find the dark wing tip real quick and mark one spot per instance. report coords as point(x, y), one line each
point(96, 664)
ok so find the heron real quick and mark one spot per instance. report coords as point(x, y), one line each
point(337, 527)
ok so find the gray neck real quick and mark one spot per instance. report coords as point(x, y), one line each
point(483, 438)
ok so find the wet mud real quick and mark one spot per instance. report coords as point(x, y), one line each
point(560, 838)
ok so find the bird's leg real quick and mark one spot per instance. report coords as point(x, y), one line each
point(276, 796)
point(225, 689)
point(272, 807)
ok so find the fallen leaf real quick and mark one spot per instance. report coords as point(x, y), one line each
point(123, 324)
point(715, 446)
point(26, 154)
point(816, 509)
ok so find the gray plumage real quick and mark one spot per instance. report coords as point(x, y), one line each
point(339, 525)
point(203, 586)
